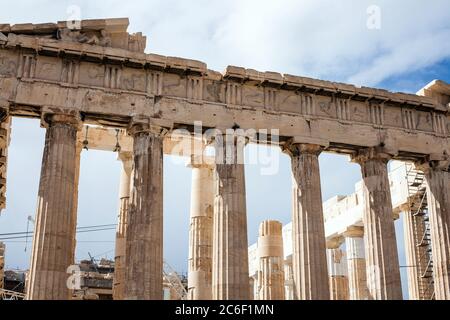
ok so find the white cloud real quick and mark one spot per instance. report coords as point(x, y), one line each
point(409, 55)
point(325, 39)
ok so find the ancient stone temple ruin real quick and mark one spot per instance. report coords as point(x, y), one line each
point(344, 227)
point(92, 85)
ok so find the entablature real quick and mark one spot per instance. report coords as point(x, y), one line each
point(109, 85)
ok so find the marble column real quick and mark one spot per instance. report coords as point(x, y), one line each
point(2, 265)
point(356, 263)
point(309, 248)
point(289, 291)
point(438, 196)
point(382, 266)
point(337, 269)
point(230, 243)
point(416, 256)
point(5, 130)
point(201, 231)
point(144, 240)
point(53, 239)
point(78, 150)
point(253, 288)
point(124, 197)
point(270, 256)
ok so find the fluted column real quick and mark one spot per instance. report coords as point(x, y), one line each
point(201, 231)
point(382, 266)
point(289, 279)
point(78, 150)
point(337, 269)
point(438, 196)
point(2, 265)
point(270, 256)
point(356, 263)
point(144, 240)
point(5, 130)
point(230, 243)
point(416, 256)
point(253, 288)
point(124, 197)
point(309, 249)
point(53, 239)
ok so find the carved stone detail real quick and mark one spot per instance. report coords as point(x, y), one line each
point(154, 83)
point(112, 77)
point(270, 98)
point(234, 93)
point(307, 105)
point(70, 72)
point(194, 88)
point(438, 121)
point(342, 108)
point(100, 38)
point(409, 118)
point(376, 112)
point(27, 66)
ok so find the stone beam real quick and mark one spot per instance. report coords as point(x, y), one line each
point(110, 139)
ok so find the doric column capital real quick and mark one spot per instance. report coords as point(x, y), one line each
point(126, 157)
point(201, 161)
point(140, 124)
point(434, 162)
point(229, 145)
point(297, 145)
point(295, 149)
point(49, 118)
point(372, 153)
point(217, 137)
point(353, 232)
point(334, 243)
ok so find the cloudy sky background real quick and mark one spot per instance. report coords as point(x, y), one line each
point(323, 39)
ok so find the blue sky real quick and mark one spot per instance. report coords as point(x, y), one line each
point(323, 39)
